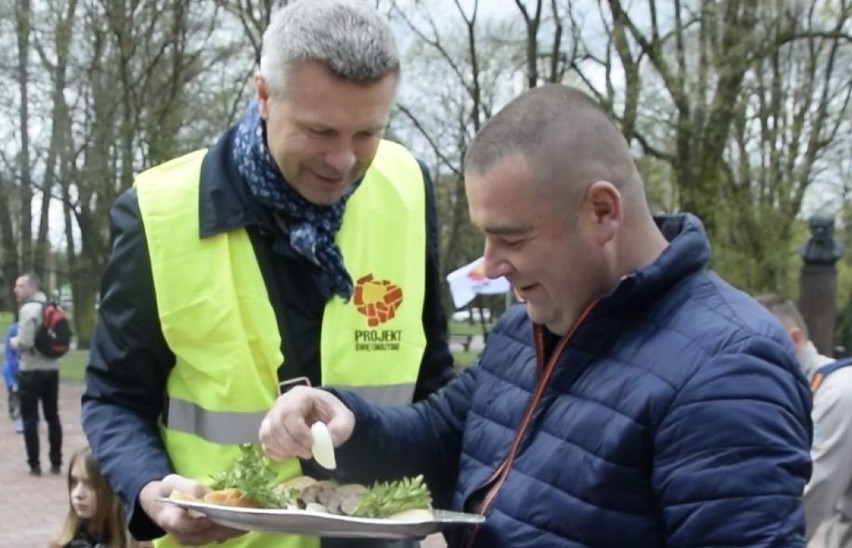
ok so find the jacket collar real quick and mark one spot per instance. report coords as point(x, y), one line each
point(688, 252)
point(224, 200)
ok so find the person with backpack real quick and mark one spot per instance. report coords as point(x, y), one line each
point(38, 376)
point(828, 494)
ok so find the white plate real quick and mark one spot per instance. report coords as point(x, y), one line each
point(325, 524)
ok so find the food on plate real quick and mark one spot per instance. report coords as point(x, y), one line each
point(322, 496)
point(252, 475)
point(229, 497)
point(407, 499)
point(297, 483)
point(387, 499)
point(322, 448)
point(250, 482)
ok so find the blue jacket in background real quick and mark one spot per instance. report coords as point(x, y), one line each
point(10, 364)
point(676, 415)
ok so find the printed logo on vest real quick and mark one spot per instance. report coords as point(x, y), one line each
point(378, 300)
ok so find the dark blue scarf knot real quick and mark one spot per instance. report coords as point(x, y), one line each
point(310, 228)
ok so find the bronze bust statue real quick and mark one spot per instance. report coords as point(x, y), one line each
point(821, 248)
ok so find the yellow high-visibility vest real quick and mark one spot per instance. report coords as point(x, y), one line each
point(216, 317)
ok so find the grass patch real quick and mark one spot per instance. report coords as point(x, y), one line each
point(5, 319)
point(467, 328)
point(73, 365)
point(463, 359)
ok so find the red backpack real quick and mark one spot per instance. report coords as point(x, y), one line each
point(53, 335)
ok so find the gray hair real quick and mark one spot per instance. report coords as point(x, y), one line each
point(348, 37)
point(783, 308)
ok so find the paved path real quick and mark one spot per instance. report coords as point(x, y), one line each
point(33, 508)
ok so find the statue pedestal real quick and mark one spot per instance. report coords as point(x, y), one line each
point(817, 293)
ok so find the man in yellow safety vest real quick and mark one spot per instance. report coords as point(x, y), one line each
point(299, 249)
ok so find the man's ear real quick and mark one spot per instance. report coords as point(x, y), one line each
point(262, 93)
point(797, 337)
point(603, 202)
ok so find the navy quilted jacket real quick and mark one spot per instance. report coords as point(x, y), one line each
point(675, 415)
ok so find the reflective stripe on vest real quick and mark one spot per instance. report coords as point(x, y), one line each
point(234, 428)
point(216, 318)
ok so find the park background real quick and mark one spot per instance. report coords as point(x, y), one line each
point(737, 111)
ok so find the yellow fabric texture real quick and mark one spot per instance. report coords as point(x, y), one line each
point(383, 239)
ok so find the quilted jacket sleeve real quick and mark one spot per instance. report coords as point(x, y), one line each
point(424, 438)
point(731, 452)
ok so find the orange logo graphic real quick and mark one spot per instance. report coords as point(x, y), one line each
point(477, 273)
point(376, 299)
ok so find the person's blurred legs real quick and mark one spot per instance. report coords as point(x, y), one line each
point(28, 394)
point(49, 404)
point(11, 402)
point(14, 404)
point(15, 409)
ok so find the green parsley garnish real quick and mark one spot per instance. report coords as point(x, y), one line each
point(388, 498)
point(252, 475)
point(256, 481)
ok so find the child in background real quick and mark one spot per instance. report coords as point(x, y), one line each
point(95, 517)
point(10, 376)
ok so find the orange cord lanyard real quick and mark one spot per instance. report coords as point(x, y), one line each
point(544, 371)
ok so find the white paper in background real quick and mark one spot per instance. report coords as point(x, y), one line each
point(469, 281)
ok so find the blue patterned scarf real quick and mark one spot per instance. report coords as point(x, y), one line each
point(310, 227)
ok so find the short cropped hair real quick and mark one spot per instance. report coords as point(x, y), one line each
point(783, 308)
point(348, 37)
point(563, 133)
